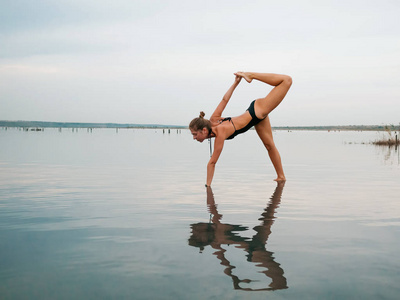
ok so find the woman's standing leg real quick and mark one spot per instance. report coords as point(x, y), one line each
point(264, 131)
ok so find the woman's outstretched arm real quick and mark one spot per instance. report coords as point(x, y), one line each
point(221, 106)
point(218, 146)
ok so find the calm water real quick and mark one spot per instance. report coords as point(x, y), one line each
point(125, 215)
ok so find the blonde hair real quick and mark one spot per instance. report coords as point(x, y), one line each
point(200, 123)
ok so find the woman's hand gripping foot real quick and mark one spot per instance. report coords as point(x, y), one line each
point(245, 75)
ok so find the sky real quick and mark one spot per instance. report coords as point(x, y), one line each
point(162, 62)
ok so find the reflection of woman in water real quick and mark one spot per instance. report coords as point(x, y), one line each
point(256, 115)
point(217, 234)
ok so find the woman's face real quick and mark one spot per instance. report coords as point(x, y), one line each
point(199, 135)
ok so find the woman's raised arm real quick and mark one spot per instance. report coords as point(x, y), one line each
point(221, 106)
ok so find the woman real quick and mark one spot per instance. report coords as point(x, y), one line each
point(256, 115)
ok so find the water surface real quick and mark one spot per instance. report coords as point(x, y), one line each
point(107, 214)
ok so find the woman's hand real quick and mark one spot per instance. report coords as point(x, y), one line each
point(245, 75)
point(237, 79)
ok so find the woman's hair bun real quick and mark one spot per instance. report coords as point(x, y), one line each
point(202, 114)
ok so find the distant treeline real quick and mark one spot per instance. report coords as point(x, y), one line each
point(336, 128)
point(40, 124)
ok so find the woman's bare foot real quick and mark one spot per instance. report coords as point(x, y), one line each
point(245, 75)
point(280, 179)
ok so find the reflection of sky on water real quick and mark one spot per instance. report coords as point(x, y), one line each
point(108, 213)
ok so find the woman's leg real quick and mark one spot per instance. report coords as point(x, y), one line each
point(264, 131)
point(281, 83)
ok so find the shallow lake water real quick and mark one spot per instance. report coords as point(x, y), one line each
point(107, 214)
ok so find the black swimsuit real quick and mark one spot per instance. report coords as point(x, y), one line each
point(254, 121)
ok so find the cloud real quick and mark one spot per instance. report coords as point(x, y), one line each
point(146, 57)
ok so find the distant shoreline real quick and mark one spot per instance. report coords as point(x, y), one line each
point(41, 124)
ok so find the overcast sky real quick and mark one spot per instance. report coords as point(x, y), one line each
point(161, 62)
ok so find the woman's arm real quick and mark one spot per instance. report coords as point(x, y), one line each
point(218, 146)
point(221, 106)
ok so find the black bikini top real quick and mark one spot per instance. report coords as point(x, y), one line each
point(233, 134)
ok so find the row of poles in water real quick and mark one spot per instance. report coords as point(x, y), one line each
point(165, 130)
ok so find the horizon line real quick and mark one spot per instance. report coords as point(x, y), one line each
point(56, 124)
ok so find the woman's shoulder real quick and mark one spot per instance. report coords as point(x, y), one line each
point(221, 130)
point(216, 121)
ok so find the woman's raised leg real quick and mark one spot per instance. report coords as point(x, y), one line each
point(264, 131)
point(281, 83)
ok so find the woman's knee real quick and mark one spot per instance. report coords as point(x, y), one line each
point(269, 145)
point(288, 80)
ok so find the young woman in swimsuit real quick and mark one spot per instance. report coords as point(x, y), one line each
point(256, 115)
